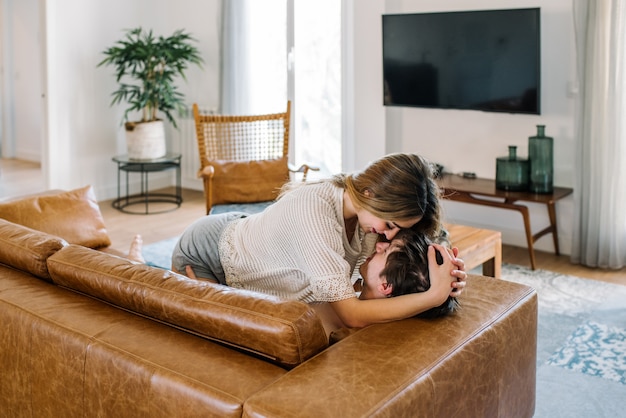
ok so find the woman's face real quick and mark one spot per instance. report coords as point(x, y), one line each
point(375, 286)
point(370, 223)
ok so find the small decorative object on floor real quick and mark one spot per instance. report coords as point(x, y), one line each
point(540, 155)
point(512, 172)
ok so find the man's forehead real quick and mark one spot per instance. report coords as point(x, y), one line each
point(396, 244)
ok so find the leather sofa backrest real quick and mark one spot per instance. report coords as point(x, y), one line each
point(286, 333)
point(26, 249)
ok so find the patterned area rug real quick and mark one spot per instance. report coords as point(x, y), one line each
point(594, 349)
point(159, 254)
point(581, 350)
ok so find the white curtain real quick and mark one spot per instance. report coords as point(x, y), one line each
point(235, 65)
point(254, 75)
point(600, 185)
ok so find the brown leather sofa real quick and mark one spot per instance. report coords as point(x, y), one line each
point(86, 333)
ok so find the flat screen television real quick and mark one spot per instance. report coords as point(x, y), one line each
point(485, 60)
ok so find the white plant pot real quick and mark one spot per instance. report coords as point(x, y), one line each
point(145, 140)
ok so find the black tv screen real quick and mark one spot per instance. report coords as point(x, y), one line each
point(482, 60)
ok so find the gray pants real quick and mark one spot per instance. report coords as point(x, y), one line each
point(198, 246)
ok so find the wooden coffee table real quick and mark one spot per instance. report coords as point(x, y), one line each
point(478, 246)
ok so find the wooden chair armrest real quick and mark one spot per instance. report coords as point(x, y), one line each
point(304, 169)
point(206, 172)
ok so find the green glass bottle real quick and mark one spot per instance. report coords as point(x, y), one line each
point(540, 155)
point(512, 172)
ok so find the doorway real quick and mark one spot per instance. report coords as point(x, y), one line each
point(21, 90)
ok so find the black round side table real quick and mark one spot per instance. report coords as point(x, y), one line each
point(145, 197)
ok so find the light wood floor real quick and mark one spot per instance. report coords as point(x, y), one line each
point(18, 178)
point(122, 227)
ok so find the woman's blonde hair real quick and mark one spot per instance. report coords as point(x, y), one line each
point(397, 187)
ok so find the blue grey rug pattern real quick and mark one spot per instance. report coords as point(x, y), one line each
point(595, 349)
point(241, 207)
point(159, 254)
point(581, 348)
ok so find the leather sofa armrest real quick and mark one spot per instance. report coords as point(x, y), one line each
point(481, 359)
point(27, 249)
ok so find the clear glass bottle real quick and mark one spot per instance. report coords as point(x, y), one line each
point(540, 155)
point(512, 172)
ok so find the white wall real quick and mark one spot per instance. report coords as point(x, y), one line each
point(84, 132)
point(363, 78)
point(471, 140)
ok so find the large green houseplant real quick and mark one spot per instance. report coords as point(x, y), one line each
point(146, 68)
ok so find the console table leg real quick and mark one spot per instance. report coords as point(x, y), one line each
point(555, 234)
point(529, 235)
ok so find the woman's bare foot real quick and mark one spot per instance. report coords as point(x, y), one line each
point(135, 253)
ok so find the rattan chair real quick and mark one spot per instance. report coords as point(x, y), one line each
point(243, 159)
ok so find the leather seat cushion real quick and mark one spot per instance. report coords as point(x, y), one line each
point(27, 249)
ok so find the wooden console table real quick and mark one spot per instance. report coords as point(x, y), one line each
point(483, 191)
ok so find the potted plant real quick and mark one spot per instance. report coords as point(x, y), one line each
point(146, 68)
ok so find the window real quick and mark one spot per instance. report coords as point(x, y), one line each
point(317, 81)
point(279, 49)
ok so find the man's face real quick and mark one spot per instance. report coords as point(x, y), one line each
point(374, 285)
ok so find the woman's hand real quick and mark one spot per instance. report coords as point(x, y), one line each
point(459, 273)
point(449, 274)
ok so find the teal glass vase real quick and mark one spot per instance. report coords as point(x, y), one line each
point(540, 156)
point(512, 172)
